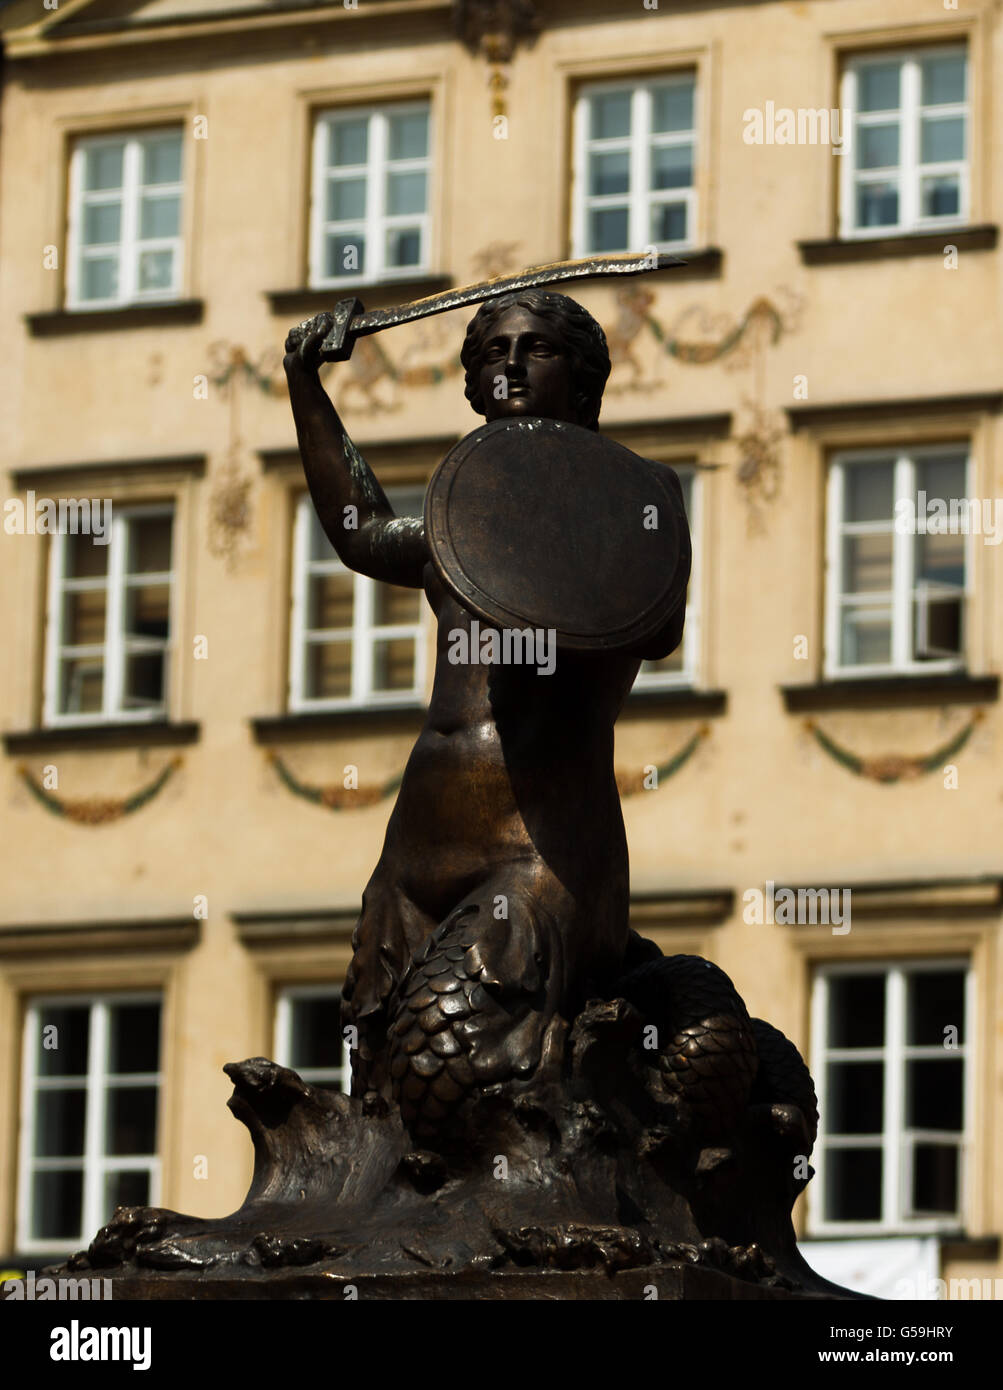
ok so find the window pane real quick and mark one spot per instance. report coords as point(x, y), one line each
point(63, 1051)
point(940, 196)
point(878, 86)
point(609, 172)
point(57, 1205)
point(393, 664)
point(393, 604)
point(405, 193)
point(103, 167)
point(346, 254)
point(84, 558)
point(316, 1039)
point(162, 159)
point(81, 686)
point(943, 79)
point(941, 475)
point(878, 146)
point(84, 618)
point(941, 559)
point(130, 1189)
point(853, 1184)
point(672, 107)
point(869, 491)
point(934, 1093)
point(149, 545)
point(403, 246)
point(134, 1043)
point(328, 672)
point(935, 1179)
point(668, 222)
point(936, 1002)
point(672, 166)
point(146, 610)
point(856, 1011)
point(131, 1120)
point(942, 139)
point(99, 277)
point(609, 115)
point(144, 680)
point(877, 204)
point(159, 217)
point(330, 601)
point(156, 270)
point(346, 200)
point(408, 135)
point(866, 637)
point(608, 229)
point(102, 224)
point(349, 143)
point(867, 564)
point(855, 1098)
point(60, 1117)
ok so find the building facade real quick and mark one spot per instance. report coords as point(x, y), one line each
point(204, 714)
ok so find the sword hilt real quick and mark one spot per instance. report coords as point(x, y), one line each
point(337, 346)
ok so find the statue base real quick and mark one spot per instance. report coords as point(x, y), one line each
point(591, 1179)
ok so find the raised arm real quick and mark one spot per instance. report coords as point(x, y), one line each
point(350, 504)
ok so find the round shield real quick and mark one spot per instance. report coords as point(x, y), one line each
point(542, 524)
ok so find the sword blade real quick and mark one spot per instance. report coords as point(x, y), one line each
point(361, 324)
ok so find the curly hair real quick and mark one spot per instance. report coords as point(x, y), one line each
point(582, 335)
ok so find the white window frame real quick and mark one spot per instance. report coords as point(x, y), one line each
point(688, 675)
point(94, 1162)
point(640, 197)
point(116, 647)
point(908, 171)
point(896, 1139)
point(129, 246)
point(377, 221)
point(287, 997)
point(364, 632)
point(903, 638)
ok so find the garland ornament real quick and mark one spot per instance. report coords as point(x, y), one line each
point(337, 797)
point(98, 810)
point(893, 767)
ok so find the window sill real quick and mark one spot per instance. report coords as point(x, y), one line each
point(375, 294)
point(291, 728)
point(57, 323)
point(891, 692)
point(121, 734)
point(838, 251)
point(680, 700)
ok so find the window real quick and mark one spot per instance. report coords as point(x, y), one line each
point(907, 164)
point(109, 624)
point(89, 1115)
point(355, 641)
point(680, 668)
point(897, 591)
point(125, 220)
point(369, 215)
point(308, 1036)
point(634, 166)
point(892, 1064)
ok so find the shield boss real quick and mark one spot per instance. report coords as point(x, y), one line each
point(542, 524)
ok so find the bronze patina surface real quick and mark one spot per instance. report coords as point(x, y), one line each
point(538, 1093)
point(542, 524)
